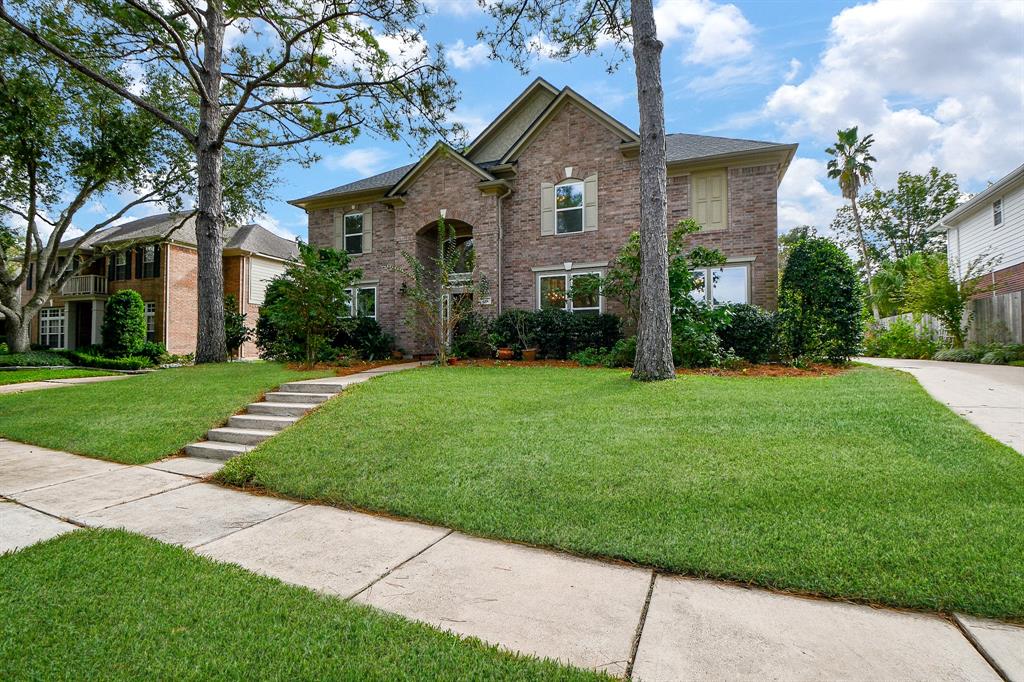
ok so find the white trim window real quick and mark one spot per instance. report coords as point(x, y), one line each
point(353, 235)
point(729, 284)
point(51, 327)
point(554, 292)
point(569, 203)
point(997, 212)
point(362, 302)
point(150, 321)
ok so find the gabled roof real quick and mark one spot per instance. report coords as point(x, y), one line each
point(165, 226)
point(681, 148)
point(990, 193)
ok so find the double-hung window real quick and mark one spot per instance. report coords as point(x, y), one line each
point(569, 207)
point(564, 292)
point(148, 256)
point(150, 321)
point(362, 302)
point(724, 285)
point(120, 267)
point(51, 327)
point(353, 237)
point(997, 212)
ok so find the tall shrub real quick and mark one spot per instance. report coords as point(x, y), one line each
point(820, 303)
point(124, 323)
point(235, 331)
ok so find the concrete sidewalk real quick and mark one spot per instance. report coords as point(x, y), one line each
point(57, 383)
point(989, 396)
point(593, 614)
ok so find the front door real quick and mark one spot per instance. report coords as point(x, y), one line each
point(83, 324)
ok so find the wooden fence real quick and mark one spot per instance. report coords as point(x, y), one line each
point(997, 319)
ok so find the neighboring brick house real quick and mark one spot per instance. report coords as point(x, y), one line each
point(549, 192)
point(156, 256)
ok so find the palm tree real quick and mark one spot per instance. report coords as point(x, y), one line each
point(851, 166)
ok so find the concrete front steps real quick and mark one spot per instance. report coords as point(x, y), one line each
point(279, 410)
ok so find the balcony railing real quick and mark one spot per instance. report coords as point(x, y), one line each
point(460, 277)
point(85, 285)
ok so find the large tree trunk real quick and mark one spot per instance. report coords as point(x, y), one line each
point(210, 344)
point(654, 332)
point(18, 334)
point(865, 257)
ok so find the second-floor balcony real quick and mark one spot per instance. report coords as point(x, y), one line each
point(85, 285)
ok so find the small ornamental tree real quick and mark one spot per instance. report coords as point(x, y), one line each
point(931, 290)
point(310, 301)
point(124, 323)
point(235, 331)
point(435, 307)
point(820, 303)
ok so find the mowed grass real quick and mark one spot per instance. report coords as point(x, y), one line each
point(856, 486)
point(114, 606)
point(142, 418)
point(21, 376)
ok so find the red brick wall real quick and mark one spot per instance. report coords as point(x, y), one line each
point(1005, 281)
point(182, 309)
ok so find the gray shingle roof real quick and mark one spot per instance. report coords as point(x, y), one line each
point(384, 180)
point(684, 147)
point(258, 239)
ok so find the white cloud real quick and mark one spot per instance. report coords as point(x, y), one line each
point(731, 76)
point(459, 8)
point(472, 121)
point(936, 83)
point(274, 225)
point(367, 161)
point(466, 57)
point(715, 32)
point(804, 198)
point(794, 70)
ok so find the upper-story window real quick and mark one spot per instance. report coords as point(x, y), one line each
point(997, 212)
point(569, 199)
point(353, 241)
point(120, 266)
point(147, 261)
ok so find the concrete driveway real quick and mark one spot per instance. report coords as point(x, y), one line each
point(989, 396)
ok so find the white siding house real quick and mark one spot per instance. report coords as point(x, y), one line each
point(988, 226)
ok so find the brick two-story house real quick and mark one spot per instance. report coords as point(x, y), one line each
point(156, 256)
point(549, 192)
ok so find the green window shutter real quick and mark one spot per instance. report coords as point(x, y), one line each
point(590, 204)
point(339, 231)
point(368, 230)
point(138, 262)
point(547, 208)
point(110, 268)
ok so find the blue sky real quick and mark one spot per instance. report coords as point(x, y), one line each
point(936, 82)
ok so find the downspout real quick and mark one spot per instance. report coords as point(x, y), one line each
point(501, 242)
point(167, 289)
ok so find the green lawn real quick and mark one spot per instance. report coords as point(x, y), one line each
point(21, 376)
point(856, 486)
point(114, 606)
point(143, 418)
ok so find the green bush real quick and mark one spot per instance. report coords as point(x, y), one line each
point(154, 352)
point(902, 339)
point(472, 337)
point(590, 357)
point(128, 362)
point(958, 355)
point(32, 358)
point(235, 331)
point(1001, 354)
point(820, 303)
point(557, 334)
point(694, 347)
point(750, 333)
point(366, 336)
point(124, 324)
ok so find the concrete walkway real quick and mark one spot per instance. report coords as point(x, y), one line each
point(57, 383)
point(989, 396)
point(622, 619)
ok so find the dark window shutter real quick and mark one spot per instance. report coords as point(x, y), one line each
point(110, 268)
point(156, 260)
point(138, 262)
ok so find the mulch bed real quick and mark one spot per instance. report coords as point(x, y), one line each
point(744, 370)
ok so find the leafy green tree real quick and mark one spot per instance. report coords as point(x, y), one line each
point(235, 331)
point(294, 72)
point(931, 290)
point(435, 309)
point(820, 303)
point(789, 239)
point(310, 301)
point(850, 165)
point(124, 323)
point(562, 29)
point(63, 142)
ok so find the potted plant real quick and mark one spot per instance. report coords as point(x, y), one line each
point(503, 351)
point(529, 350)
point(397, 354)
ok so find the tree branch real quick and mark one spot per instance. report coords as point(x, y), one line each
point(197, 79)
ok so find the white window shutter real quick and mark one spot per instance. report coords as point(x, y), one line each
point(338, 243)
point(547, 208)
point(368, 230)
point(590, 203)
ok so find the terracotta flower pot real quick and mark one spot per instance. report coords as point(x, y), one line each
point(506, 354)
point(397, 355)
point(529, 354)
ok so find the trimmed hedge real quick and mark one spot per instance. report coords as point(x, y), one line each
point(124, 323)
point(751, 333)
point(557, 334)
